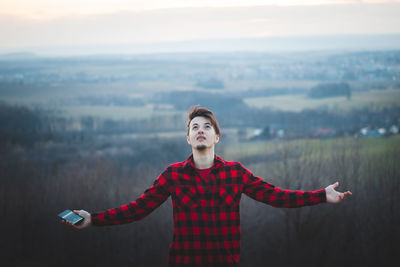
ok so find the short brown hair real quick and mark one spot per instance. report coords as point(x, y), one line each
point(197, 111)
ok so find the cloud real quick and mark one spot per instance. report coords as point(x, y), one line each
point(166, 25)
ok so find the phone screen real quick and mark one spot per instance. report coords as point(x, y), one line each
point(70, 216)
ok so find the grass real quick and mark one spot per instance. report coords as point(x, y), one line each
point(376, 99)
point(312, 163)
point(259, 148)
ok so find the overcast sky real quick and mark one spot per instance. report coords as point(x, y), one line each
point(25, 23)
point(56, 8)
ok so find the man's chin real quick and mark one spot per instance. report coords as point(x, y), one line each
point(201, 147)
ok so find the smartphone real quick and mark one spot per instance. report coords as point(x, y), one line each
point(70, 216)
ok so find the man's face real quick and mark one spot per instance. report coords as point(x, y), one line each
point(201, 134)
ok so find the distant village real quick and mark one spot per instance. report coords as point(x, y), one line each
point(256, 134)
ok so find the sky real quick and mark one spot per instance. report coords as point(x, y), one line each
point(31, 24)
point(44, 9)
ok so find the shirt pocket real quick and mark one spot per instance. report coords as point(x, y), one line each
point(187, 197)
point(228, 195)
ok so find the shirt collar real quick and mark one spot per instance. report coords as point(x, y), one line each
point(218, 162)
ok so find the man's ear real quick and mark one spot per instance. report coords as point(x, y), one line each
point(188, 139)
point(216, 139)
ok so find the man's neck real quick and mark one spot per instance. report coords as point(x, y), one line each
point(203, 159)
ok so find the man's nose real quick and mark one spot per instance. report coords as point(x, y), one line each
point(201, 131)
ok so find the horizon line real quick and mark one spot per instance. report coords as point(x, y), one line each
point(238, 44)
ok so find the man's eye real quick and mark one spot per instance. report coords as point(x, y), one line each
point(208, 126)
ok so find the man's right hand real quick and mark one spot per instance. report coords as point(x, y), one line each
point(86, 219)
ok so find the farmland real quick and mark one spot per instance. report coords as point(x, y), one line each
point(376, 99)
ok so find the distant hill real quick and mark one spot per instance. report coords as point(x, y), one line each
point(265, 44)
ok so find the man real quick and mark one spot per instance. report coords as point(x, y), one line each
point(206, 192)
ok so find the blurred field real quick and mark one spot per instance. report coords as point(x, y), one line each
point(117, 112)
point(240, 85)
point(311, 148)
point(374, 99)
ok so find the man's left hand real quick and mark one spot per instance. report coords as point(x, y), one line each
point(333, 196)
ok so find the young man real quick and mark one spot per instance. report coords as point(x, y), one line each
point(206, 192)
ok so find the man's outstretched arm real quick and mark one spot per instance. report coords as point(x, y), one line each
point(152, 198)
point(267, 193)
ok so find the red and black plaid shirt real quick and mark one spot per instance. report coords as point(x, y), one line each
point(206, 211)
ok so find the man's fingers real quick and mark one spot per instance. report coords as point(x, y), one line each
point(333, 186)
point(346, 194)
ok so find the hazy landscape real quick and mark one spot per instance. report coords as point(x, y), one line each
point(93, 132)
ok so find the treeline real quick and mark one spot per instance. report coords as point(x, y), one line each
point(24, 125)
point(330, 90)
point(233, 112)
point(210, 83)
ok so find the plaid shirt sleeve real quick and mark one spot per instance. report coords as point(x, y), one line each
point(267, 193)
point(137, 210)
